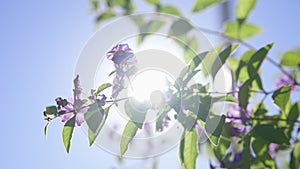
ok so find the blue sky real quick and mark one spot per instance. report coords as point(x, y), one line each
point(40, 43)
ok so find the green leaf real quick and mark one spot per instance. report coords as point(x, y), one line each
point(226, 98)
point(190, 75)
point(241, 72)
point(128, 133)
point(147, 28)
point(103, 87)
point(219, 61)
point(281, 97)
point(68, 132)
point(190, 149)
point(127, 5)
point(153, 2)
point(261, 148)
point(254, 64)
point(160, 119)
point(181, 149)
point(295, 157)
point(214, 127)
point(261, 110)
point(245, 31)
point(94, 3)
point(104, 16)
point(169, 9)
point(190, 49)
point(45, 129)
point(246, 160)
point(154, 25)
point(136, 111)
point(293, 114)
point(233, 64)
point(271, 133)
point(95, 118)
point(180, 27)
point(243, 9)
point(244, 94)
point(195, 62)
point(204, 107)
point(111, 73)
point(224, 143)
point(51, 110)
point(202, 4)
point(258, 57)
point(290, 59)
point(295, 111)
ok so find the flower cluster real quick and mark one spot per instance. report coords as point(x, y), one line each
point(68, 108)
point(124, 62)
point(65, 109)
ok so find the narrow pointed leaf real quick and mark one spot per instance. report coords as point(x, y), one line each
point(195, 62)
point(214, 127)
point(260, 148)
point(95, 118)
point(271, 133)
point(68, 132)
point(243, 9)
point(244, 94)
point(181, 149)
point(295, 157)
point(190, 149)
point(203, 4)
point(258, 57)
point(219, 61)
point(170, 9)
point(45, 129)
point(103, 87)
point(180, 27)
point(128, 133)
point(246, 160)
point(153, 2)
point(51, 110)
point(290, 59)
point(281, 97)
point(244, 31)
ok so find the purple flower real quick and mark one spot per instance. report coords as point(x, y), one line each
point(101, 98)
point(118, 85)
point(235, 112)
point(124, 61)
point(285, 80)
point(272, 149)
point(237, 157)
point(70, 110)
point(236, 161)
point(235, 115)
point(119, 53)
point(199, 129)
point(71, 107)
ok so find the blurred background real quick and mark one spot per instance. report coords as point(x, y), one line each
point(40, 44)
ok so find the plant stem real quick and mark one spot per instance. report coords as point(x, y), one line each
point(117, 100)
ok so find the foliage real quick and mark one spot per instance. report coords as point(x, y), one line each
point(247, 136)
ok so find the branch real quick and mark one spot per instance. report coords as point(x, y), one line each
point(263, 119)
point(249, 46)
